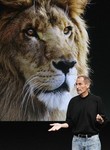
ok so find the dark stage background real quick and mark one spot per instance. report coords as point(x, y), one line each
point(35, 135)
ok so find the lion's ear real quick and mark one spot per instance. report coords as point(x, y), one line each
point(75, 7)
point(14, 4)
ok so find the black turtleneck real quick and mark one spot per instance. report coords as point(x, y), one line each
point(81, 114)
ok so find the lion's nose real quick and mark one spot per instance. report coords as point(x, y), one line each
point(64, 66)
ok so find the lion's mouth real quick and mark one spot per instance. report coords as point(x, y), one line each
point(60, 89)
point(63, 87)
point(57, 84)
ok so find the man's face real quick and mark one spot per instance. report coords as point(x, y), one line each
point(81, 86)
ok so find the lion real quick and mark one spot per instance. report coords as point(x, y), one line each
point(44, 46)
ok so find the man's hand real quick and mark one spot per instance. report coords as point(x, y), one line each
point(55, 126)
point(99, 119)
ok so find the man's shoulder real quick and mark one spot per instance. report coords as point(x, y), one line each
point(95, 97)
point(75, 98)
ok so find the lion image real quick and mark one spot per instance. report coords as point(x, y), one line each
point(43, 48)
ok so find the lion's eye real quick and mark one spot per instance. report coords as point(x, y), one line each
point(68, 30)
point(30, 32)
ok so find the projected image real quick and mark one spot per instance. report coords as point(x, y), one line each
point(43, 48)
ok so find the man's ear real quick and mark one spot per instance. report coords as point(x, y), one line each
point(88, 85)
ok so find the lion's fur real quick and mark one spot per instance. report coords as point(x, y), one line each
point(32, 37)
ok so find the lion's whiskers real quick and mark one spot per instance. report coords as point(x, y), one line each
point(30, 89)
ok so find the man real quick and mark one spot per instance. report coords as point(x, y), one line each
point(85, 116)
